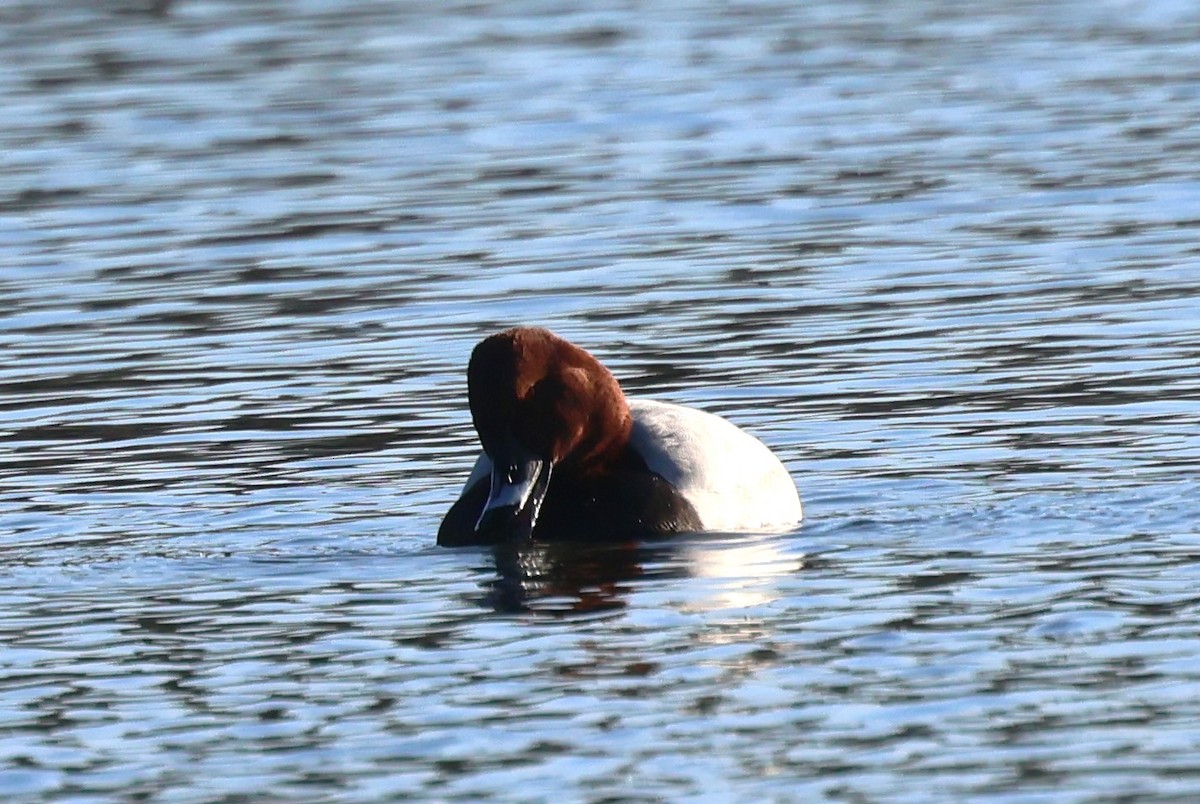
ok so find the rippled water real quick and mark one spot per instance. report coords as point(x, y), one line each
point(943, 257)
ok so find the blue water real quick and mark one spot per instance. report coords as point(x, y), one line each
point(942, 257)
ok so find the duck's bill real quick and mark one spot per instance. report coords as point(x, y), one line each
point(515, 498)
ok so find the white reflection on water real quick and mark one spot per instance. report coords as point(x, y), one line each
point(740, 573)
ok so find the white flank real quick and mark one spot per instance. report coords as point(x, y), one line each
point(732, 479)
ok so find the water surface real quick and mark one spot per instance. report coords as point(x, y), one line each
point(941, 257)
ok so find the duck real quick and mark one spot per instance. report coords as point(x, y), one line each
point(566, 456)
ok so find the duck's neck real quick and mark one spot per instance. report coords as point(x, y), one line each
point(605, 444)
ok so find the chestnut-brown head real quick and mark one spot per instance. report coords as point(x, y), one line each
point(538, 403)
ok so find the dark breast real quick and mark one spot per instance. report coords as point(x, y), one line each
point(627, 505)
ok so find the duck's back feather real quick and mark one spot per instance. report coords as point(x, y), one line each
point(732, 479)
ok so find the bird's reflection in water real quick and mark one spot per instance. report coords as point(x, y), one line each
point(568, 579)
point(571, 578)
point(739, 571)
